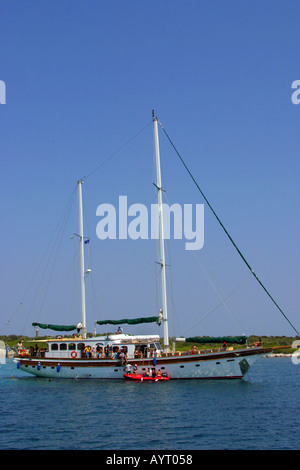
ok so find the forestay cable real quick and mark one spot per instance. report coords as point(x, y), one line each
point(228, 235)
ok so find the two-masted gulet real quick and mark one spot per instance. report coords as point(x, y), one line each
point(111, 355)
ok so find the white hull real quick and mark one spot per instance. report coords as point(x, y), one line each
point(227, 365)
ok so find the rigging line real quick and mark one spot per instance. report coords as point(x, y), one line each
point(88, 262)
point(228, 235)
point(96, 305)
point(218, 293)
point(7, 322)
point(117, 151)
point(36, 271)
point(72, 305)
point(34, 274)
point(217, 306)
point(55, 238)
point(171, 290)
point(170, 277)
point(212, 283)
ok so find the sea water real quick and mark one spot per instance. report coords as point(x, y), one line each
point(259, 412)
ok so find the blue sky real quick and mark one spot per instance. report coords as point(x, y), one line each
point(82, 78)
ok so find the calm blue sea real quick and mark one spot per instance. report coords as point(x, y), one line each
point(260, 412)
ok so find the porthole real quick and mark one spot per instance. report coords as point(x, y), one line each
point(181, 367)
point(197, 365)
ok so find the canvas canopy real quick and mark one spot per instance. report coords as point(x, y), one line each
point(49, 326)
point(130, 321)
point(220, 339)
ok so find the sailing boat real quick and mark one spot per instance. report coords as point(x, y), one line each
point(110, 356)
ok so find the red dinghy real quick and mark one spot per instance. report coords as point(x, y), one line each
point(142, 378)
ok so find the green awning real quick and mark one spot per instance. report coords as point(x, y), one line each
point(48, 326)
point(130, 321)
point(220, 339)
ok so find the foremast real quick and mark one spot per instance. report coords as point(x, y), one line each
point(161, 234)
point(81, 252)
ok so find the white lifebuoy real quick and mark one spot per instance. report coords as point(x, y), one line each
point(74, 354)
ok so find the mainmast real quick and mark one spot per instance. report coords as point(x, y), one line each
point(81, 251)
point(161, 234)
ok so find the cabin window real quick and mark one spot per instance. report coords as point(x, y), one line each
point(80, 346)
point(54, 347)
point(119, 348)
point(63, 347)
point(140, 351)
point(154, 346)
point(72, 346)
